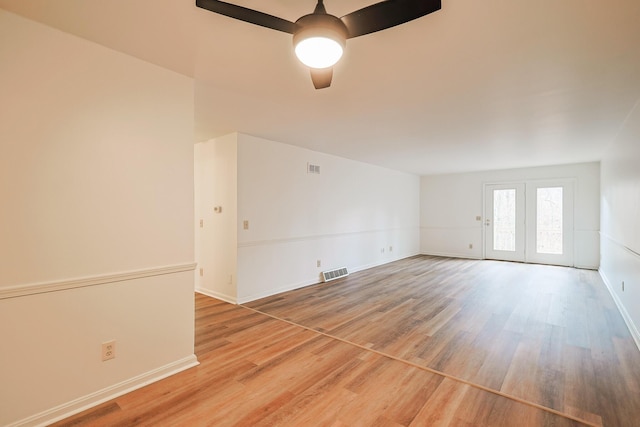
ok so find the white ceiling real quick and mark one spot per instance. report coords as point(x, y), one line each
point(481, 84)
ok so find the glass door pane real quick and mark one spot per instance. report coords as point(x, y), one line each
point(550, 228)
point(549, 234)
point(504, 220)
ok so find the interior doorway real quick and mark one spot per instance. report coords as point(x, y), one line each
point(529, 222)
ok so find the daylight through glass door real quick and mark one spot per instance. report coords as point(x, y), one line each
point(549, 221)
point(504, 220)
point(530, 221)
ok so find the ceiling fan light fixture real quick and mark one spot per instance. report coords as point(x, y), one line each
point(320, 40)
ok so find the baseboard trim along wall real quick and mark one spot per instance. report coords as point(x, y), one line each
point(59, 285)
point(270, 292)
point(623, 311)
point(217, 295)
point(83, 403)
point(620, 262)
point(310, 282)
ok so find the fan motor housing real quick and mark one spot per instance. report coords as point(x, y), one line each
point(321, 25)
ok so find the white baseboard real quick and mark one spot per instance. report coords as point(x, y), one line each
point(587, 267)
point(314, 281)
point(633, 330)
point(279, 290)
point(217, 295)
point(86, 402)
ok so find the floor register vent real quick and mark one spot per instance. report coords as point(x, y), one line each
point(334, 274)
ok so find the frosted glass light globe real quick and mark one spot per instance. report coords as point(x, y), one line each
point(318, 52)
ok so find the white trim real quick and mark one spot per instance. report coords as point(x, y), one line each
point(320, 237)
point(468, 227)
point(452, 255)
point(311, 282)
point(90, 400)
point(81, 282)
point(585, 267)
point(217, 295)
point(622, 245)
point(586, 230)
point(633, 330)
point(279, 290)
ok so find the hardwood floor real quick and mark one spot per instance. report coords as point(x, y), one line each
point(548, 335)
point(419, 342)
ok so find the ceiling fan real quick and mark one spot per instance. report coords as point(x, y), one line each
point(319, 38)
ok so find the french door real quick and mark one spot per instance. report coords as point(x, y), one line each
point(530, 222)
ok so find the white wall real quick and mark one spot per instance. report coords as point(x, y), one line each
point(96, 221)
point(620, 232)
point(351, 214)
point(217, 206)
point(451, 203)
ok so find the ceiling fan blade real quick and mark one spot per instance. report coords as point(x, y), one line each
point(248, 15)
point(387, 14)
point(321, 77)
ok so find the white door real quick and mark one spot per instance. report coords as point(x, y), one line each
point(530, 222)
point(505, 222)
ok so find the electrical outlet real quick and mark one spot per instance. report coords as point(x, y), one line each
point(478, 218)
point(201, 272)
point(245, 224)
point(318, 263)
point(390, 248)
point(108, 350)
point(470, 245)
point(201, 223)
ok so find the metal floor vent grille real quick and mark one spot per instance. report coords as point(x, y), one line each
point(334, 274)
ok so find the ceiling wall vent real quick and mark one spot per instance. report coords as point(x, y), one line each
point(329, 275)
point(313, 168)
